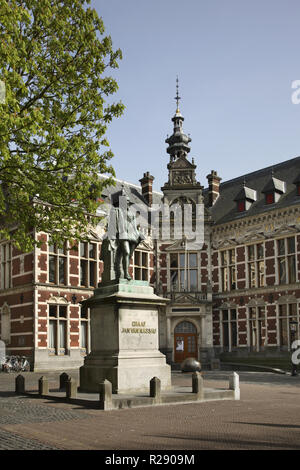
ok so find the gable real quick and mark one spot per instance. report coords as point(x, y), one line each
point(181, 163)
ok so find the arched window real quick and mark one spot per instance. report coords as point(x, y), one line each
point(185, 327)
point(182, 201)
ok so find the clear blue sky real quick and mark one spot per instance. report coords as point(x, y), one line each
point(236, 61)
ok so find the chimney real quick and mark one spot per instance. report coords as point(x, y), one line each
point(146, 183)
point(213, 187)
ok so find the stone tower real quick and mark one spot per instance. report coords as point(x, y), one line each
point(182, 177)
point(185, 256)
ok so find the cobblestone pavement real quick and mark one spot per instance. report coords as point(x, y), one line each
point(19, 410)
point(12, 441)
point(266, 417)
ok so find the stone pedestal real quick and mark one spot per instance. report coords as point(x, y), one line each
point(124, 339)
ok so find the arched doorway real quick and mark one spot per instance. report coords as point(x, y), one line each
point(185, 341)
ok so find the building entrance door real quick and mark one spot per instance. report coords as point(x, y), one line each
point(185, 341)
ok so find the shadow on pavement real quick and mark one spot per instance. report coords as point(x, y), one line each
point(272, 425)
point(235, 443)
point(7, 394)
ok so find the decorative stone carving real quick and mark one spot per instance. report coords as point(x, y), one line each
point(182, 177)
point(57, 300)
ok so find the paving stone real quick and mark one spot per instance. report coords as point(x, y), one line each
point(266, 417)
point(12, 441)
point(16, 410)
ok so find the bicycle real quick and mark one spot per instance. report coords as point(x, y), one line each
point(25, 366)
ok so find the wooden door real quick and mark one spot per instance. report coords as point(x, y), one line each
point(185, 342)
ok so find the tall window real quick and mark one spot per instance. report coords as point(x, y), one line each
point(257, 328)
point(256, 265)
point(286, 260)
point(5, 323)
point(140, 265)
point(57, 342)
point(229, 329)
point(5, 266)
point(88, 264)
point(58, 264)
point(184, 272)
point(287, 313)
point(228, 270)
point(178, 208)
point(84, 330)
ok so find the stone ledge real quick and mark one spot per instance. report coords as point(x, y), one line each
point(123, 401)
point(125, 291)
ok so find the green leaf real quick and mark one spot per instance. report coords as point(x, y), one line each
point(55, 64)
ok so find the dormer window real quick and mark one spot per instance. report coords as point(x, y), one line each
point(270, 199)
point(241, 206)
point(297, 183)
point(245, 198)
point(273, 190)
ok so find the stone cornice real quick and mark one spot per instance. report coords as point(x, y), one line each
point(256, 219)
point(257, 228)
point(258, 292)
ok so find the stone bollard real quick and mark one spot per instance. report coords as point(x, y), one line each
point(71, 388)
point(43, 386)
point(105, 395)
point(20, 384)
point(63, 378)
point(234, 384)
point(155, 389)
point(198, 385)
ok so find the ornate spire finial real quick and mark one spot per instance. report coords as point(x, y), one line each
point(177, 98)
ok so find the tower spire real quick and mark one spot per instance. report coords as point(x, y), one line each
point(178, 142)
point(181, 170)
point(177, 97)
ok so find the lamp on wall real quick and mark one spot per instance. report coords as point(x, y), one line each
point(74, 298)
point(271, 298)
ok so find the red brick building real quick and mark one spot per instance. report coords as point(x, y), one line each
point(236, 294)
point(41, 314)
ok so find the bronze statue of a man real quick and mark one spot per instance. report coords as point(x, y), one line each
point(122, 239)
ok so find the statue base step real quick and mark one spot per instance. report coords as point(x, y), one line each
point(130, 373)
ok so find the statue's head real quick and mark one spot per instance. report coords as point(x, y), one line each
point(124, 194)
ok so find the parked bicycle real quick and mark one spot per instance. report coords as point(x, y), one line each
point(16, 364)
point(25, 365)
